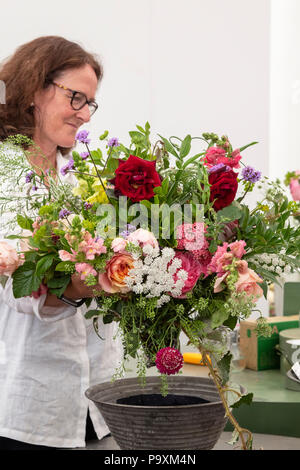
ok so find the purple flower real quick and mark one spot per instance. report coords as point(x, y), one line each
point(29, 176)
point(113, 142)
point(219, 167)
point(81, 136)
point(84, 155)
point(69, 166)
point(88, 205)
point(250, 174)
point(64, 213)
point(130, 229)
point(34, 188)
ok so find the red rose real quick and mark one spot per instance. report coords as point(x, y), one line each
point(223, 188)
point(136, 178)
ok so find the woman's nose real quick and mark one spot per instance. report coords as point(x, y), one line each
point(84, 113)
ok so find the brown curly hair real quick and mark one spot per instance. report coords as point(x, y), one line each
point(30, 69)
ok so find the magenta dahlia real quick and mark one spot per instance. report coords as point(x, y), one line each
point(169, 361)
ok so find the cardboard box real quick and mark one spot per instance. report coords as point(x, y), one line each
point(259, 352)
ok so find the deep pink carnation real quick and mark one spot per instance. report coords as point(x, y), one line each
point(191, 237)
point(169, 361)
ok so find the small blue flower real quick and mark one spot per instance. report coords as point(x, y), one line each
point(82, 136)
point(221, 167)
point(69, 166)
point(64, 213)
point(29, 176)
point(84, 155)
point(130, 229)
point(250, 174)
point(113, 142)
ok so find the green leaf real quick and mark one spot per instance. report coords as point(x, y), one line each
point(3, 280)
point(230, 322)
point(264, 287)
point(25, 280)
point(224, 367)
point(232, 212)
point(97, 156)
point(248, 145)
point(58, 282)
point(24, 222)
point(61, 289)
point(244, 400)
point(192, 159)
point(218, 318)
point(140, 129)
point(108, 318)
point(15, 237)
point(169, 147)
point(64, 265)
point(44, 264)
point(91, 314)
point(185, 146)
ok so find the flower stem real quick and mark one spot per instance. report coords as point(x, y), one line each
point(241, 431)
point(222, 390)
point(98, 174)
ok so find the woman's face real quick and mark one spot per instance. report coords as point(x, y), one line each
point(56, 121)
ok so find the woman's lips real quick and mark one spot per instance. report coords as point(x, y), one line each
point(72, 125)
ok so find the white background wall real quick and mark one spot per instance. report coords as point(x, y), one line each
point(227, 66)
point(186, 66)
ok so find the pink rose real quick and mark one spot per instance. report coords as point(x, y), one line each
point(85, 269)
point(295, 187)
point(248, 283)
point(143, 237)
point(119, 244)
point(117, 268)
point(9, 259)
point(192, 266)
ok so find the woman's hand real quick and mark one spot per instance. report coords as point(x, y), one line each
point(76, 290)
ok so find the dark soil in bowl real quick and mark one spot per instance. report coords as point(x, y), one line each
point(159, 400)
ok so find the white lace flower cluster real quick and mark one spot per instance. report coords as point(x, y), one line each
point(153, 274)
point(272, 262)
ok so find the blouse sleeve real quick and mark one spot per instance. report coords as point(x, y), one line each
point(32, 306)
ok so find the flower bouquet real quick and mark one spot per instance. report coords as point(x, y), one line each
point(163, 236)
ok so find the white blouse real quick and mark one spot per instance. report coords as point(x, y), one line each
point(49, 356)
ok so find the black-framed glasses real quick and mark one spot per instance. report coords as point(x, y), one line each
point(78, 99)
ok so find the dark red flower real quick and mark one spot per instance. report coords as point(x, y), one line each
point(169, 361)
point(136, 178)
point(223, 188)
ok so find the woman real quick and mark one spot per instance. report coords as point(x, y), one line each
point(51, 354)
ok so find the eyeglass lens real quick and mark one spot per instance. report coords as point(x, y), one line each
point(79, 101)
